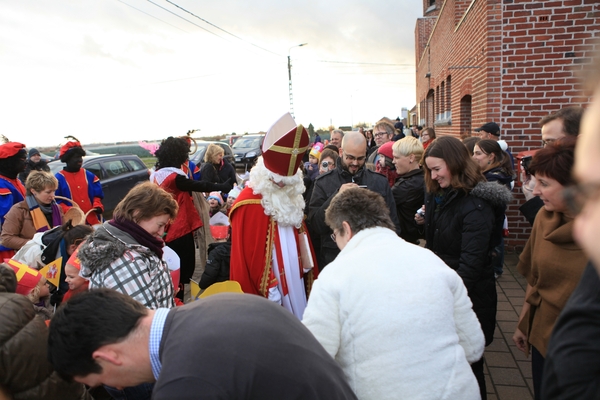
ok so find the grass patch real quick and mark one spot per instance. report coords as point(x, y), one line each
point(149, 161)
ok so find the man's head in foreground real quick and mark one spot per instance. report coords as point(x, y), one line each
point(101, 337)
point(584, 198)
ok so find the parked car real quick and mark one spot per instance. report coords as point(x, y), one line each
point(198, 156)
point(247, 149)
point(117, 173)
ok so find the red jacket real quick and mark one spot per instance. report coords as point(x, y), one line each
point(188, 219)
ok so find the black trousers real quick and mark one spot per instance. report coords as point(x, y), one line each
point(186, 250)
point(477, 368)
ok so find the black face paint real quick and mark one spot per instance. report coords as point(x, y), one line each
point(74, 163)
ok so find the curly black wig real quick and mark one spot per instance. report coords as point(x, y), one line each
point(173, 152)
point(72, 152)
point(12, 166)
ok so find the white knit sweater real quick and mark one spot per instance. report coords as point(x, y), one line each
point(397, 320)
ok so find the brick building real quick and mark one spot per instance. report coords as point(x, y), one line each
point(507, 61)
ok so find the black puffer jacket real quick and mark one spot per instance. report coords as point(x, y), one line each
point(24, 368)
point(409, 194)
point(463, 230)
point(326, 186)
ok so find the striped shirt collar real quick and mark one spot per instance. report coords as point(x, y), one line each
point(156, 332)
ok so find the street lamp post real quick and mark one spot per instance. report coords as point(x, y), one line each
point(290, 77)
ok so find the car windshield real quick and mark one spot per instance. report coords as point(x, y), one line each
point(246, 143)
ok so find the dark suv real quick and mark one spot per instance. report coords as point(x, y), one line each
point(247, 149)
point(117, 173)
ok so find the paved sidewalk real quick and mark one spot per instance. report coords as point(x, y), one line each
point(508, 371)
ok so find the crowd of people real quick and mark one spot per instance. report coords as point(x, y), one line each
point(367, 266)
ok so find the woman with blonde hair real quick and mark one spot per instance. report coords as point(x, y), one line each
point(409, 188)
point(37, 213)
point(217, 169)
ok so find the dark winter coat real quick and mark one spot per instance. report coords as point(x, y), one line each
point(499, 175)
point(326, 186)
point(33, 166)
point(217, 264)
point(463, 230)
point(25, 372)
point(409, 195)
point(218, 174)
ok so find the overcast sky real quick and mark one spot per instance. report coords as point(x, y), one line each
point(117, 70)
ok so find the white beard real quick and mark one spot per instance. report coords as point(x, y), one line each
point(284, 204)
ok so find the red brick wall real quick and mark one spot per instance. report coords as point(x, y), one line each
point(516, 59)
point(538, 74)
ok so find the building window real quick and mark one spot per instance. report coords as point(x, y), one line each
point(448, 98)
point(465, 116)
point(430, 108)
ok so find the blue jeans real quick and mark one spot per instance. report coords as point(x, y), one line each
point(139, 392)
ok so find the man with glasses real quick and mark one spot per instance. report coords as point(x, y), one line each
point(350, 172)
point(564, 122)
point(572, 367)
point(336, 137)
point(383, 132)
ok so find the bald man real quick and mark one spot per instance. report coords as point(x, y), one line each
point(350, 172)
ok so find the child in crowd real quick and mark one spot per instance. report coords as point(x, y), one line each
point(32, 285)
point(312, 166)
point(217, 264)
point(77, 284)
point(215, 201)
point(233, 194)
point(385, 165)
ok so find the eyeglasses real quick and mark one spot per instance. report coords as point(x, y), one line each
point(380, 134)
point(326, 164)
point(547, 142)
point(352, 158)
point(333, 236)
point(576, 196)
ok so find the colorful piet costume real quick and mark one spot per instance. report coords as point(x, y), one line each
point(82, 186)
point(270, 249)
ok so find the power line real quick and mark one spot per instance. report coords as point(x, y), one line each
point(221, 29)
point(361, 63)
point(150, 15)
point(179, 16)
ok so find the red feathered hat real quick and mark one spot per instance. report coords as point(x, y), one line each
point(68, 146)
point(27, 277)
point(284, 146)
point(10, 149)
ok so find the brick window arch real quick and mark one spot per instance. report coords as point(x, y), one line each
point(465, 116)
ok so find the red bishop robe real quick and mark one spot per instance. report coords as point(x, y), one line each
point(254, 235)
